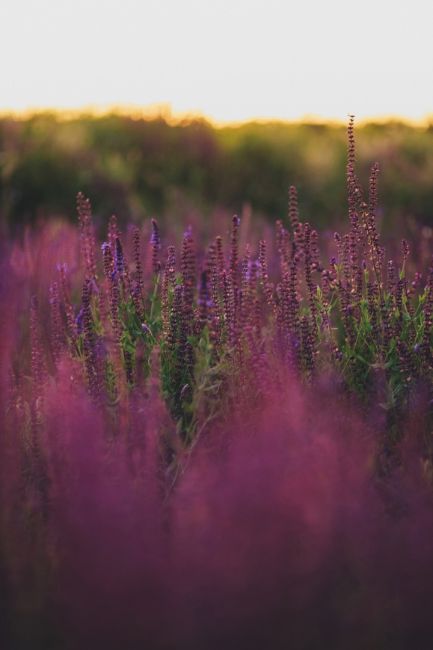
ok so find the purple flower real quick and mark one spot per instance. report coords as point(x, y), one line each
point(120, 260)
point(79, 321)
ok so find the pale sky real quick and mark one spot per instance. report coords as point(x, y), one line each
point(227, 59)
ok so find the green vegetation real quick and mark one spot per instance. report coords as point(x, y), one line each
point(139, 167)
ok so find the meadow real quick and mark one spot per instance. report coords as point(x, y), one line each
point(221, 436)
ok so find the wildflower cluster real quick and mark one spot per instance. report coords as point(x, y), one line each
point(221, 321)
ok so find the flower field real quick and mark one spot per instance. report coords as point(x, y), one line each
point(217, 443)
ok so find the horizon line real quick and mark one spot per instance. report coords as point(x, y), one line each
point(164, 111)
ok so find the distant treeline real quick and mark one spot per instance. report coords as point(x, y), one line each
point(143, 167)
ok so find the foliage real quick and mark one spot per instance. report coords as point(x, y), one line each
point(139, 167)
point(187, 426)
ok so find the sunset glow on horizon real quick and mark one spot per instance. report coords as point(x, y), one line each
point(229, 61)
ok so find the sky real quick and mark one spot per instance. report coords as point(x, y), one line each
point(229, 60)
